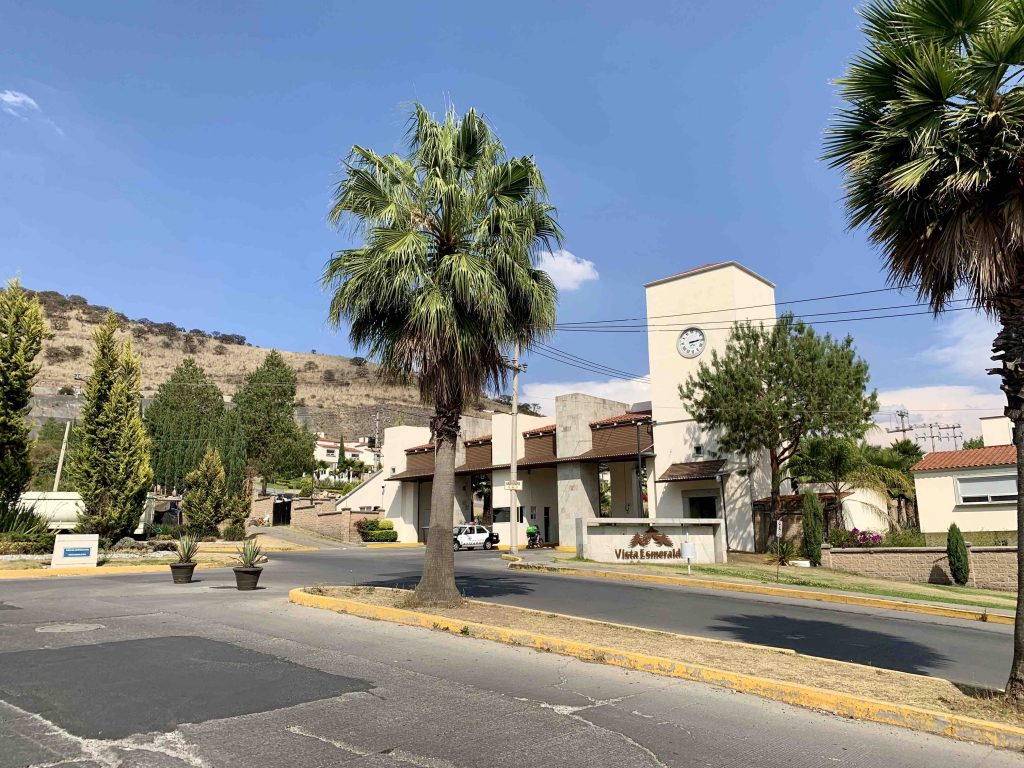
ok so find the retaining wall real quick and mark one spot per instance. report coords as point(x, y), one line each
point(321, 516)
point(991, 567)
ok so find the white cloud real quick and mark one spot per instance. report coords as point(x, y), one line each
point(17, 104)
point(568, 272)
point(964, 346)
point(944, 404)
point(625, 391)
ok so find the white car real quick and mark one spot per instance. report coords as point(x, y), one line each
point(472, 536)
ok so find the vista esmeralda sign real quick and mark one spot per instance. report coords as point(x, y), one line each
point(638, 547)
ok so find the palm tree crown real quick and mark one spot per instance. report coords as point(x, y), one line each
point(931, 144)
point(444, 283)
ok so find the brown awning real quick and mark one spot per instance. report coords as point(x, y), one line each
point(692, 470)
point(413, 474)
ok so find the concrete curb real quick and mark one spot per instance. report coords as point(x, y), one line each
point(392, 544)
point(834, 702)
point(763, 589)
point(220, 549)
point(106, 570)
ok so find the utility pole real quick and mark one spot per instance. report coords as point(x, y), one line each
point(376, 436)
point(513, 510)
point(903, 428)
point(60, 460)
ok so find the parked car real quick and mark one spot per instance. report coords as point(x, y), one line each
point(473, 536)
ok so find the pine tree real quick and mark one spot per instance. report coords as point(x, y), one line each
point(111, 463)
point(186, 413)
point(206, 500)
point(813, 515)
point(274, 444)
point(956, 554)
point(21, 337)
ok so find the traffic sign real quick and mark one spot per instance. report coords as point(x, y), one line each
point(513, 485)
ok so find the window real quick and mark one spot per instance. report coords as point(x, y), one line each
point(996, 489)
point(501, 514)
point(330, 451)
point(698, 450)
point(703, 506)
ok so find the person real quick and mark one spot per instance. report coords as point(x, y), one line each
point(532, 535)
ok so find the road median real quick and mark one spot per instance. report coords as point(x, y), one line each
point(792, 593)
point(916, 702)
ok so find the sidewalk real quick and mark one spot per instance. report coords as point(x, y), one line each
point(546, 559)
point(301, 538)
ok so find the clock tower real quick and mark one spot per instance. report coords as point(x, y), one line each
point(689, 315)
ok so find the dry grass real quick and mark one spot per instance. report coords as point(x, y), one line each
point(775, 664)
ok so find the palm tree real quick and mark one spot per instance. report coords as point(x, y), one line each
point(443, 286)
point(930, 143)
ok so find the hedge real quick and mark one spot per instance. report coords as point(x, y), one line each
point(380, 535)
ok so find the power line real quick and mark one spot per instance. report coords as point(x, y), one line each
point(629, 329)
point(755, 306)
point(588, 369)
point(584, 361)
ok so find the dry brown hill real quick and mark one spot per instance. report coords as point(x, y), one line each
point(335, 394)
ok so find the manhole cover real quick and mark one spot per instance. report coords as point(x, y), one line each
point(68, 627)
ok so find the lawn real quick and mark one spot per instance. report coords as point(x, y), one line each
point(753, 568)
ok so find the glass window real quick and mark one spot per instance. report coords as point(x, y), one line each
point(330, 451)
point(988, 490)
point(501, 514)
point(703, 506)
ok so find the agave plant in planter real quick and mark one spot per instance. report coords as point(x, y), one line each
point(247, 573)
point(182, 570)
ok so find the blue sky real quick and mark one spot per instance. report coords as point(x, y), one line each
point(175, 160)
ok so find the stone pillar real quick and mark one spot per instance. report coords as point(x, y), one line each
point(578, 496)
point(826, 554)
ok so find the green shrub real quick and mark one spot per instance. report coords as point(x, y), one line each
point(385, 525)
point(366, 526)
point(813, 517)
point(904, 537)
point(378, 535)
point(234, 532)
point(781, 552)
point(841, 538)
point(956, 552)
point(306, 486)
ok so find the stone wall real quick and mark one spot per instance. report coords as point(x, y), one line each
point(321, 517)
point(991, 567)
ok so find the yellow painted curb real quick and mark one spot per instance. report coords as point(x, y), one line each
point(763, 589)
point(392, 544)
point(103, 570)
point(856, 707)
point(565, 549)
point(218, 549)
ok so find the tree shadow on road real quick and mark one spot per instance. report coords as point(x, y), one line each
point(470, 585)
point(834, 640)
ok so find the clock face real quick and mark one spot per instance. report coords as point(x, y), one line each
point(691, 342)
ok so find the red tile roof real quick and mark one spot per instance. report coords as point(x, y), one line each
point(420, 447)
point(992, 456)
point(481, 439)
point(539, 430)
point(692, 470)
point(623, 418)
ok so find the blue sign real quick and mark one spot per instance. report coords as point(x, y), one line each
point(77, 551)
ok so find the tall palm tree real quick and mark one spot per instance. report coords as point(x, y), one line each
point(931, 142)
point(443, 286)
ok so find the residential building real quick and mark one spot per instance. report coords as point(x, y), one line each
point(974, 488)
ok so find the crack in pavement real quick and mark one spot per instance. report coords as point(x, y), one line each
point(398, 755)
point(105, 751)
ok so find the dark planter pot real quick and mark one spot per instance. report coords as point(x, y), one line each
point(247, 578)
point(182, 572)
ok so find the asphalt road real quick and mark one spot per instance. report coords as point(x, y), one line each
point(134, 671)
point(961, 651)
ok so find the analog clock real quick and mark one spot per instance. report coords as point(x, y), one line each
point(691, 342)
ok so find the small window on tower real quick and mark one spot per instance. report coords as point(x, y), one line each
point(698, 450)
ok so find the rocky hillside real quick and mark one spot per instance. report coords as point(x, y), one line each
point(335, 394)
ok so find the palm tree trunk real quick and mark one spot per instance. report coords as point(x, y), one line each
point(1009, 350)
point(437, 584)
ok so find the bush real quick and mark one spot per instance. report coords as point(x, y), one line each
point(234, 532)
point(781, 552)
point(306, 486)
point(904, 537)
point(128, 544)
point(329, 376)
point(66, 390)
point(381, 536)
point(840, 538)
point(385, 525)
point(956, 552)
point(813, 516)
point(368, 527)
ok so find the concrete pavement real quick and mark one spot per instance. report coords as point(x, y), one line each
point(204, 676)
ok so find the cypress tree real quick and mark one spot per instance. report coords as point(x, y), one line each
point(21, 337)
point(206, 501)
point(813, 515)
point(956, 553)
point(111, 462)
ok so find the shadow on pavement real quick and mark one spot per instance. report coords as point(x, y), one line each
point(470, 585)
point(834, 641)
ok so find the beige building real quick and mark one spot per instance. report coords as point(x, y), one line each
point(974, 488)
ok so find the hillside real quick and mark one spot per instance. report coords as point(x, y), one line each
point(335, 394)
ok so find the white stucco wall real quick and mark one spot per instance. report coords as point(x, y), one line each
point(710, 300)
point(996, 430)
point(938, 504)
